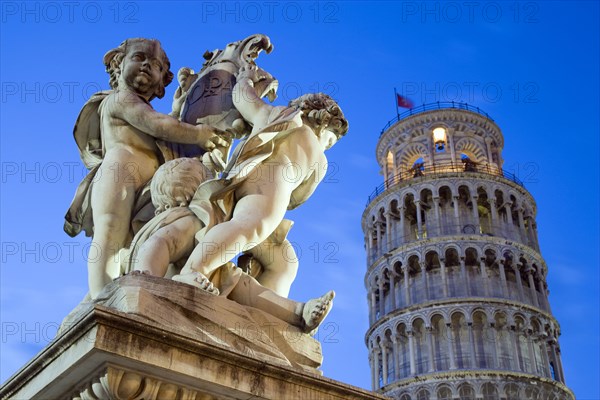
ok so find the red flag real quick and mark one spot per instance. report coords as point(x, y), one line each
point(404, 102)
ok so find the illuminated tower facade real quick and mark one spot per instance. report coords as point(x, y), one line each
point(458, 300)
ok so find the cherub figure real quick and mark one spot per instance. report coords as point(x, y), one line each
point(169, 239)
point(122, 150)
point(277, 168)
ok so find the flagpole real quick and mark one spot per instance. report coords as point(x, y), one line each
point(396, 101)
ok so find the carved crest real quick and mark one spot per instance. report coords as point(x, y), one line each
point(208, 94)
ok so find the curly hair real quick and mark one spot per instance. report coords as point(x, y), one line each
point(176, 181)
point(113, 59)
point(322, 111)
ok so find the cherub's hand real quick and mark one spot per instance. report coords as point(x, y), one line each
point(209, 137)
point(214, 161)
point(183, 75)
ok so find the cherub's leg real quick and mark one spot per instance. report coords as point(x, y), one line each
point(255, 217)
point(307, 316)
point(167, 245)
point(112, 201)
point(280, 266)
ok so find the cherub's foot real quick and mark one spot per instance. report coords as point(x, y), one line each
point(315, 311)
point(197, 280)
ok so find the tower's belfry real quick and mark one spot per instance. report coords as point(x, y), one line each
point(458, 300)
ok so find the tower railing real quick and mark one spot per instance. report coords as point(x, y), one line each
point(442, 168)
point(435, 106)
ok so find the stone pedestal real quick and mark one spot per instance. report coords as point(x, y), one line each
point(151, 338)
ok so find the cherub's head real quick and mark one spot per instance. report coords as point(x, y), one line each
point(323, 115)
point(176, 181)
point(141, 65)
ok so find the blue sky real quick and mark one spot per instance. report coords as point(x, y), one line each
point(533, 66)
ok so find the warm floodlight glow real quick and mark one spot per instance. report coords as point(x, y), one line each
point(439, 137)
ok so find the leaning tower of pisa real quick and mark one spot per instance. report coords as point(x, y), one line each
point(457, 293)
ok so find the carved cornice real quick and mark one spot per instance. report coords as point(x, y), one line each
point(120, 384)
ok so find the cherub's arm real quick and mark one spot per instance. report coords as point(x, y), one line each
point(247, 101)
point(130, 108)
point(185, 77)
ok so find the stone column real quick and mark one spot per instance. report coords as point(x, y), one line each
point(450, 138)
point(430, 150)
point(424, 279)
point(476, 215)
point(419, 220)
point(406, 288)
point(372, 365)
point(556, 360)
point(411, 351)
point(560, 367)
point(532, 289)
point(535, 236)
point(396, 355)
point(488, 148)
point(503, 278)
point(376, 370)
point(381, 298)
point(532, 361)
point(384, 363)
point(399, 294)
point(438, 219)
point(546, 294)
point(515, 342)
point(444, 278)
point(402, 235)
point(509, 220)
point(519, 283)
point(471, 345)
point(522, 230)
point(465, 277)
point(379, 239)
point(373, 306)
point(388, 232)
point(529, 230)
point(495, 219)
point(544, 350)
point(484, 278)
point(456, 214)
point(393, 291)
point(530, 234)
point(494, 337)
point(428, 330)
point(393, 232)
point(369, 244)
point(450, 341)
point(558, 371)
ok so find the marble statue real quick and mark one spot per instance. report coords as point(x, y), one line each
point(154, 202)
point(275, 169)
point(169, 238)
point(117, 133)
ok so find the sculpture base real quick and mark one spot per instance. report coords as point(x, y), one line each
point(152, 338)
